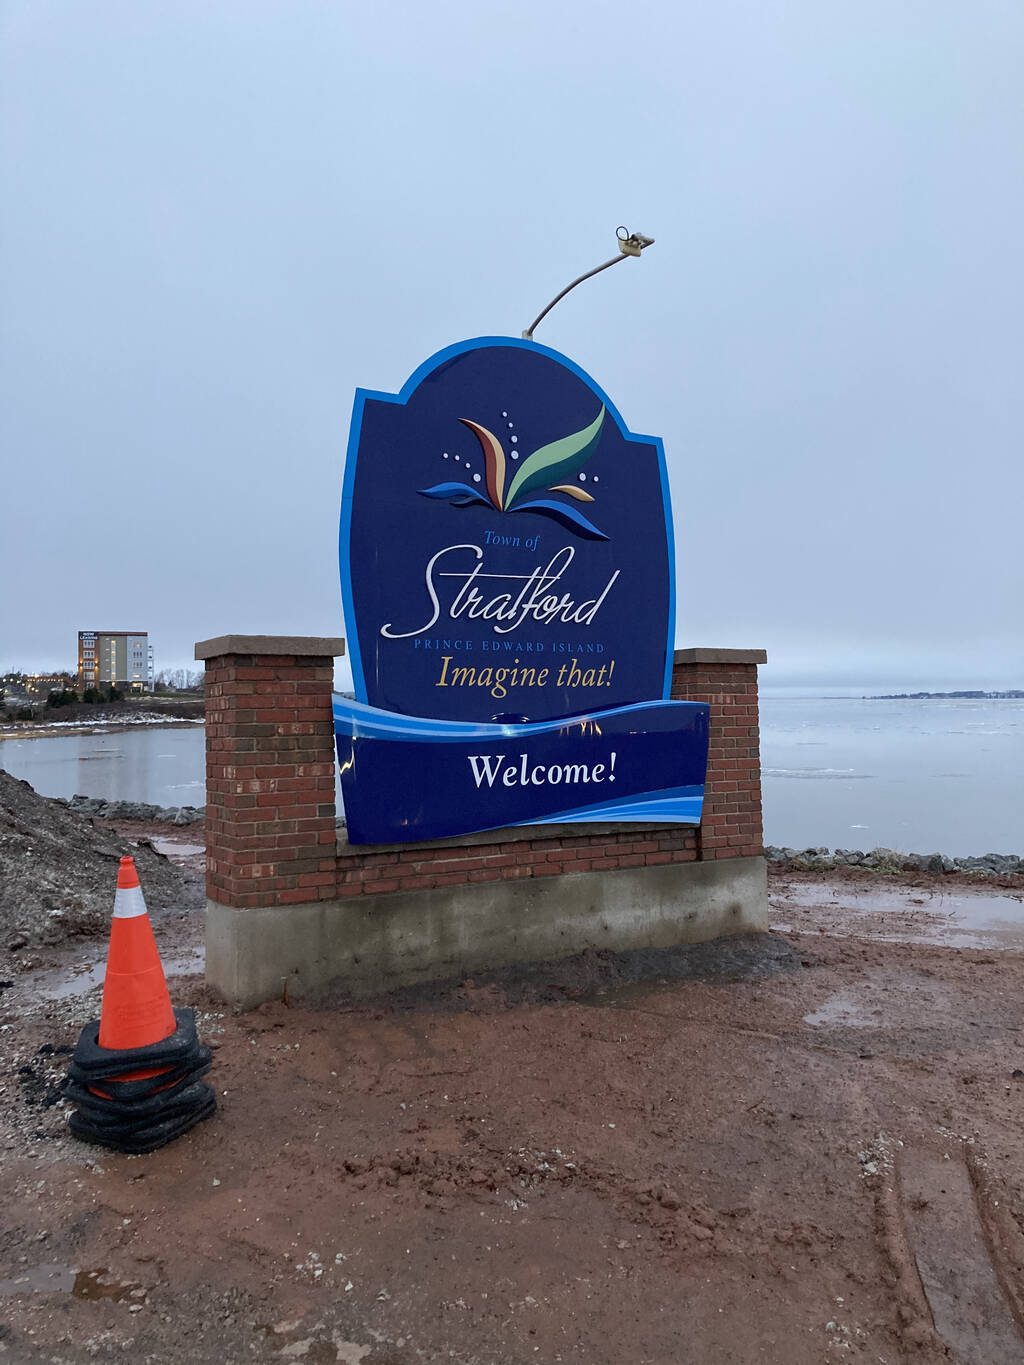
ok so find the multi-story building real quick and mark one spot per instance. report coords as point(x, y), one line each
point(118, 658)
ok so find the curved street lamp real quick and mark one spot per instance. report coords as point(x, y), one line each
point(630, 244)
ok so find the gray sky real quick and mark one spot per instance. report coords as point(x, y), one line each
point(219, 218)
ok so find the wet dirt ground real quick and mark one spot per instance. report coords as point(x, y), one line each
point(803, 1146)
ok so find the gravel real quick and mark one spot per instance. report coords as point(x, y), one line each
point(58, 871)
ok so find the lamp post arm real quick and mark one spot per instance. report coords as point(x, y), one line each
point(528, 334)
point(630, 244)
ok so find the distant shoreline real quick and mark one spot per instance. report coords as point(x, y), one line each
point(1013, 694)
point(101, 725)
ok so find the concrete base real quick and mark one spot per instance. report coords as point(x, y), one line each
point(370, 945)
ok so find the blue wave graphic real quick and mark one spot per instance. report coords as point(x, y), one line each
point(356, 719)
point(410, 778)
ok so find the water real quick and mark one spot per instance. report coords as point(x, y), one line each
point(900, 914)
point(164, 766)
point(54, 1277)
point(916, 776)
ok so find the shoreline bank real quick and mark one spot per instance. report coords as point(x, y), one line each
point(99, 725)
point(883, 861)
point(889, 861)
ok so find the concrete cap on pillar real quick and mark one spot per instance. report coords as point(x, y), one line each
point(720, 656)
point(321, 646)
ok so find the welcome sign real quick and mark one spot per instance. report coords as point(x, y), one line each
point(507, 572)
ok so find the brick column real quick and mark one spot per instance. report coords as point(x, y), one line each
point(270, 766)
point(727, 680)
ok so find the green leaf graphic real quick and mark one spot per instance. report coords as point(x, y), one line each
point(555, 462)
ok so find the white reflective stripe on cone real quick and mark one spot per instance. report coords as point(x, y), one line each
point(128, 902)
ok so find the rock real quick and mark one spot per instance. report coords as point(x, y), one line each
point(97, 809)
point(889, 860)
point(990, 864)
point(938, 862)
point(884, 860)
point(914, 862)
point(131, 810)
point(851, 857)
point(1001, 864)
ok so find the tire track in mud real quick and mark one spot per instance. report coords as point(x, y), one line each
point(956, 1255)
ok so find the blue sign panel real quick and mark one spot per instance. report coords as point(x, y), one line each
point(506, 563)
point(428, 781)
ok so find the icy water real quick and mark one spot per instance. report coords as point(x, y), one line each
point(917, 776)
point(165, 765)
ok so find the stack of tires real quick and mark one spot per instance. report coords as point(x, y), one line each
point(136, 1099)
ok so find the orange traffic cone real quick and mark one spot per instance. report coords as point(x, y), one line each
point(136, 1007)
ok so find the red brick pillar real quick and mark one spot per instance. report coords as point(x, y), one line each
point(270, 762)
point(727, 680)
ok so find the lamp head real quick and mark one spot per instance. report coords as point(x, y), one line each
point(632, 243)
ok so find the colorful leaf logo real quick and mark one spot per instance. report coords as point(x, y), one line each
point(494, 461)
point(559, 460)
point(548, 467)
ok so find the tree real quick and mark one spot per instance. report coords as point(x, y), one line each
point(179, 680)
point(65, 697)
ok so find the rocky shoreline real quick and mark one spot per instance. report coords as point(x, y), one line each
point(818, 859)
point(95, 808)
point(889, 860)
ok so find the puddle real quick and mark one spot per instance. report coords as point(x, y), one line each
point(905, 915)
point(92, 1285)
point(70, 983)
point(54, 1278)
point(41, 1279)
point(841, 1009)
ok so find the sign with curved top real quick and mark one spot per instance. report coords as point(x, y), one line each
point(507, 572)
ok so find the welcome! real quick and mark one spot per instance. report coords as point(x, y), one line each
point(487, 769)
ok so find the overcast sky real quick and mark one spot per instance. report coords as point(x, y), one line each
point(219, 218)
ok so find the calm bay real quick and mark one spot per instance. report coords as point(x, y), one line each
point(918, 776)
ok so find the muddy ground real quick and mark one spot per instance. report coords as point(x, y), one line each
point(799, 1147)
point(57, 868)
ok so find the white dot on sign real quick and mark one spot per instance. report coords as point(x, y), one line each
point(504, 414)
point(510, 425)
point(514, 439)
point(515, 454)
point(596, 479)
point(583, 478)
point(476, 478)
point(445, 455)
point(458, 459)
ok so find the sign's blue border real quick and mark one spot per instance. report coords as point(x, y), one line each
point(402, 397)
